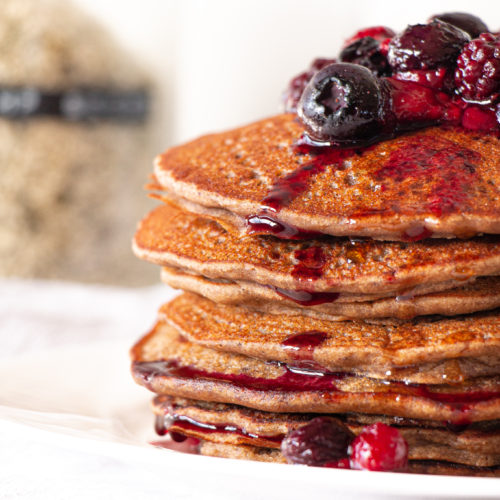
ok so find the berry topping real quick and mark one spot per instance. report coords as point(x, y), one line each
point(415, 106)
point(323, 440)
point(343, 103)
point(466, 22)
point(439, 79)
point(295, 88)
point(379, 447)
point(379, 33)
point(479, 118)
point(366, 52)
point(477, 76)
point(426, 46)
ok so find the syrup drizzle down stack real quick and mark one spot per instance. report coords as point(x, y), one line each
point(327, 321)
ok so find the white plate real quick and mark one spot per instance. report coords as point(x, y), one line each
point(83, 400)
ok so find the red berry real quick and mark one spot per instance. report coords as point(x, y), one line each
point(379, 33)
point(322, 440)
point(343, 463)
point(477, 76)
point(479, 118)
point(379, 447)
point(439, 79)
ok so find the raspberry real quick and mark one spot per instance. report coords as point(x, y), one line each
point(477, 76)
point(295, 88)
point(379, 447)
point(426, 46)
point(323, 440)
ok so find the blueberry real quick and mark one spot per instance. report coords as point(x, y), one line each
point(427, 46)
point(322, 440)
point(343, 104)
point(466, 22)
point(366, 52)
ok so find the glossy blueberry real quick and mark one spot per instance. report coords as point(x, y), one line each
point(466, 22)
point(343, 104)
point(426, 46)
point(322, 440)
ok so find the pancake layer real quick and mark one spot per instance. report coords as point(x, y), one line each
point(440, 182)
point(480, 295)
point(167, 364)
point(469, 343)
point(170, 237)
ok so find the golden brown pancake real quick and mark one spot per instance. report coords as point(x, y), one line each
point(171, 237)
point(382, 350)
point(440, 182)
point(480, 295)
point(168, 364)
point(231, 424)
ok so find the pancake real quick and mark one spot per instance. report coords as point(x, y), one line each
point(482, 294)
point(246, 452)
point(168, 364)
point(171, 237)
point(370, 348)
point(435, 182)
point(231, 424)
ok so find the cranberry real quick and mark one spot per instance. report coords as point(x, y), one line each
point(466, 22)
point(322, 440)
point(343, 104)
point(366, 52)
point(295, 88)
point(426, 46)
point(379, 447)
point(477, 76)
point(379, 33)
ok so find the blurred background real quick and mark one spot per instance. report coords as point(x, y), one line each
point(71, 191)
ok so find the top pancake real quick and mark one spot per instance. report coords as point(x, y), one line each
point(440, 182)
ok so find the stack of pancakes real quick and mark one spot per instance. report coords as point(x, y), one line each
point(382, 303)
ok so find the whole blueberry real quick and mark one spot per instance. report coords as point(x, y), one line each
point(466, 22)
point(427, 46)
point(322, 440)
point(343, 103)
point(366, 52)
